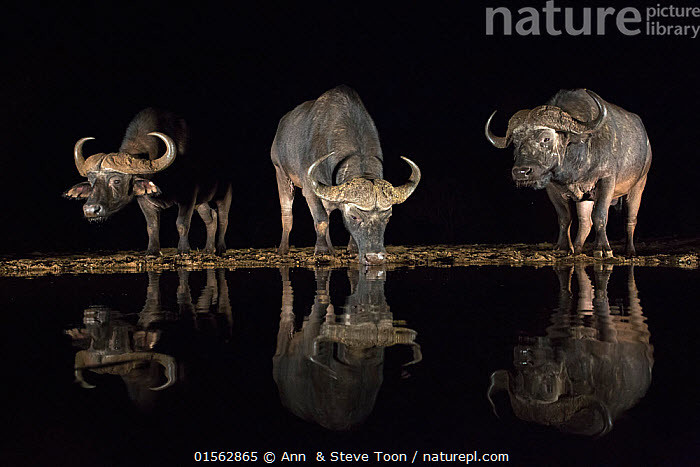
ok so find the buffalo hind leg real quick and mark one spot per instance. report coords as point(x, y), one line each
point(184, 219)
point(223, 206)
point(285, 187)
point(583, 211)
point(561, 205)
point(209, 217)
point(634, 199)
point(600, 218)
point(152, 215)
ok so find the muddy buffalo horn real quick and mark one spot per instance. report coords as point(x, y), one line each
point(337, 193)
point(548, 116)
point(124, 163)
point(557, 119)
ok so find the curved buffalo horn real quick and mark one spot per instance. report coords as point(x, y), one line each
point(500, 381)
point(329, 193)
point(590, 127)
point(501, 142)
point(519, 118)
point(130, 165)
point(78, 155)
point(401, 193)
point(559, 120)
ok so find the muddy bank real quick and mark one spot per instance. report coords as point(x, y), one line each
point(668, 253)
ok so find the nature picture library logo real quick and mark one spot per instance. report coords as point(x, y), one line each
point(551, 20)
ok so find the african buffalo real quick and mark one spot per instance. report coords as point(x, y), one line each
point(333, 140)
point(594, 363)
point(581, 148)
point(115, 179)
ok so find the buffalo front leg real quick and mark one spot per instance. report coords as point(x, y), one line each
point(599, 216)
point(152, 214)
point(209, 217)
point(285, 187)
point(561, 205)
point(184, 219)
point(223, 206)
point(320, 215)
point(634, 199)
point(583, 211)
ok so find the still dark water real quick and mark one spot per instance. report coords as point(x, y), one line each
point(585, 366)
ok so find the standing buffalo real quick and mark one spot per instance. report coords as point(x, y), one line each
point(581, 148)
point(333, 139)
point(115, 179)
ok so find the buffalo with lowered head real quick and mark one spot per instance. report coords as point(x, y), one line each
point(116, 179)
point(329, 147)
point(581, 149)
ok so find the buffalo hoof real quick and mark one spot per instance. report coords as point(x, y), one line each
point(209, 250)
point(153, 253)
point(324, 251)
point(600, 254)
point(631, 253)
point(220, 250)
point(183, 246)
point(562, 252)
point(563, 247)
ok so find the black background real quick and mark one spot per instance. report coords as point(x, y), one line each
point(428, 74)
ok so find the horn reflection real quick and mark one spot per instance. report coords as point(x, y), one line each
point(145, 349)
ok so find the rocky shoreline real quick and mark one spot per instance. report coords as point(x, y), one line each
point(666, 253)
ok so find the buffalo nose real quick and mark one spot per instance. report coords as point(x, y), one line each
point(521, 173)
point(92, 210)
point(374, 258)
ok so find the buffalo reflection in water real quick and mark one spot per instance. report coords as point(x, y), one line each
point(130, 345)
point(329, 372)
point(593, 365)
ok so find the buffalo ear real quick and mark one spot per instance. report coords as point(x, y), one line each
point(143, 186)
point(80, 191)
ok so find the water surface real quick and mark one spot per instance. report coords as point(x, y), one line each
point(586, 365)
